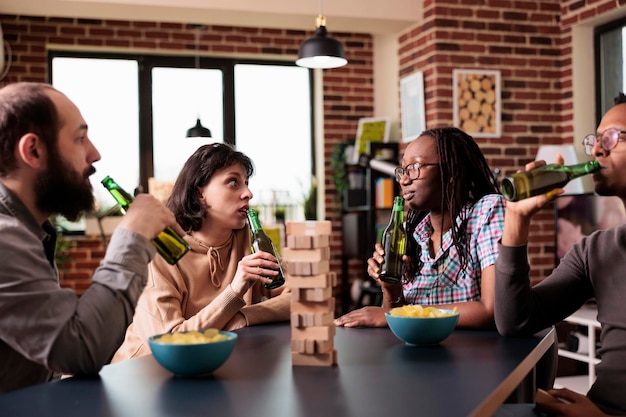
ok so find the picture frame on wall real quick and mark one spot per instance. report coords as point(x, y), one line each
point(370, 129)
point(412, 106)
point(477, 102)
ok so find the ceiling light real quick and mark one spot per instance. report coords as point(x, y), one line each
point(321, 51)
point(198, 131)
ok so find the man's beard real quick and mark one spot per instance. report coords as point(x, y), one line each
point(61, 190)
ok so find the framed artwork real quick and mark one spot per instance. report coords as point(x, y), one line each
point(412, 106)
point(476, 102)
point(370, 129)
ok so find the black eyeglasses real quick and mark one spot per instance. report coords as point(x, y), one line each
point(411, 170)
point(608, 140)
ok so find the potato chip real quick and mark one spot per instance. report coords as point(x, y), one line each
point(419, 311)
point(192, 337)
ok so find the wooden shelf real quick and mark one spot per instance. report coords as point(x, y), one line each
point(585, 316)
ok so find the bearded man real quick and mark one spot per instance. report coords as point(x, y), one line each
point(46, 159)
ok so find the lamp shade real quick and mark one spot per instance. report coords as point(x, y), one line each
point(198, 131)
point(321, 51)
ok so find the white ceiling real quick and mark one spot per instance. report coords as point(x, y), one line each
point(367, 16)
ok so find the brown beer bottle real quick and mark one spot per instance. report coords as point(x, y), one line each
point(260, 241)
point(394, 244)
point(168, 243)
point(541, 180)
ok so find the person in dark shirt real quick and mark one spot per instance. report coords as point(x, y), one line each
point(46, 159)
point(592, 268)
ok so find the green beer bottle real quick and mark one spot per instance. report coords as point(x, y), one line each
point(168, 243)
point(394, 244)
point(260, 241)
point(544, 179)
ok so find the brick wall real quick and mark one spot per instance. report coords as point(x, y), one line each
point(83, 256)
point(530, 42)
point(348, 91)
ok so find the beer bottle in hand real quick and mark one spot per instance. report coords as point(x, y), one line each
point(394, 243)
point(260, 241)
point(541, 180)
point(168, 243)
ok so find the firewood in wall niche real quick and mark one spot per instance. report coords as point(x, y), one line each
point(476, 98)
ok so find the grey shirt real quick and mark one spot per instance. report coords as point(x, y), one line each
point(594, 267)
point(46, 330)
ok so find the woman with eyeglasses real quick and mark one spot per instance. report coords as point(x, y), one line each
point(454, 221)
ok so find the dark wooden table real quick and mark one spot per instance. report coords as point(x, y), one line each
point(469, 374)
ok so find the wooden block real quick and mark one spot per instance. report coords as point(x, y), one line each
point(309, 228)
point(313, 333)
point(312, 281)
point(311, 319)
point(311, 347)
point(311, 294)
point(308, 242)
point(307, 268)
point(324, 306)
point(310, 255)
point(318, 359)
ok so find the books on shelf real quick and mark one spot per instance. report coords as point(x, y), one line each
point(384, 193)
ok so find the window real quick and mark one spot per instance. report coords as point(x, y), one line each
point(138, 109)
point(609, 51)
point(266, 104)
point(105, 91)
point(179, 97)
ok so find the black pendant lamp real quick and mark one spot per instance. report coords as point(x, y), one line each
point(198, 131)
point(321, 51)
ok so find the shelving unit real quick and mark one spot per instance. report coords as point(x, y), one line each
point(585, 316)
point(361, 215)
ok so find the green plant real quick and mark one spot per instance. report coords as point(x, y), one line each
point(338, 168)
point(61, 254)
point(310, 202)
point(63, 244)
point(280, 213)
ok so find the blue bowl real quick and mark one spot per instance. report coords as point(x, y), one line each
point(422, 330)
point(192, 359)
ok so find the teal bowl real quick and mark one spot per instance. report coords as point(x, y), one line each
point(422, 330)
point(192, 359)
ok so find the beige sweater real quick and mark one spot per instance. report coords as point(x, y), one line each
point(196, 294)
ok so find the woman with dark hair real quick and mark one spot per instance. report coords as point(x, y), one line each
point(454, 220)
point(219, 283)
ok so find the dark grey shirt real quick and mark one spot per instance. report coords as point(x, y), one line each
point(46, 330)
point(594, 267)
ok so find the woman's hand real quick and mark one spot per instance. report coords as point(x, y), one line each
point(377, 259)
point(373, 263)
point(363, 317)
point(256, 267)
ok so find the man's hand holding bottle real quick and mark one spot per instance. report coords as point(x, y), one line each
point(518, 214)
point(148, 217)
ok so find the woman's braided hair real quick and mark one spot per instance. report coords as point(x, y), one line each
point(465, 177)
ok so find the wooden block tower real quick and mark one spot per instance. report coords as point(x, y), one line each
point(307, 260)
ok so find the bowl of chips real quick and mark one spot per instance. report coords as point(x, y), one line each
point(417, 325)
point(192, 353)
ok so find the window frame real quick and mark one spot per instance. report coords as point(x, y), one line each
point(146, 62)
point(602, 97)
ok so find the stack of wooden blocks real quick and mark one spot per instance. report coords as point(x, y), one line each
point(307, 260)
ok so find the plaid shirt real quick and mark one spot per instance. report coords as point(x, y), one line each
point(441, 280)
